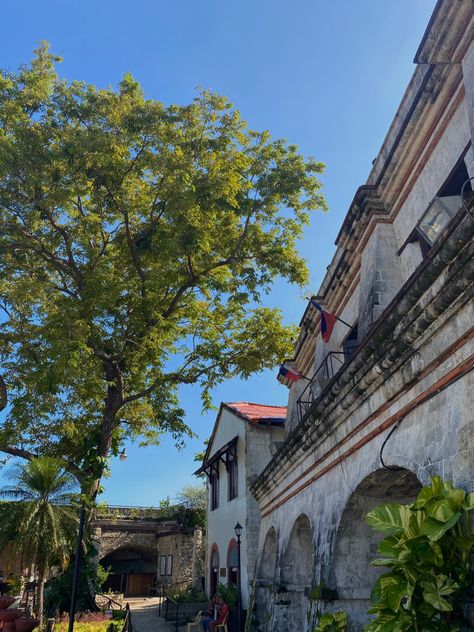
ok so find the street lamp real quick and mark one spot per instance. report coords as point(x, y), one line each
point(238, 532)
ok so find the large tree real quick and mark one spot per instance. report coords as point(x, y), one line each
point(136, 241)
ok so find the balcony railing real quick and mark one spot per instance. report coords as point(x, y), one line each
point(325, 373)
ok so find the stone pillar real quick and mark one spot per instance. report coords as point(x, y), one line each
point(198, 559)
point(380, 276)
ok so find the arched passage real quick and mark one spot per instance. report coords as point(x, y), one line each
point(214, 569)
point(267, 566)
point(356, 542)
point(297, 568)
point(132, 570)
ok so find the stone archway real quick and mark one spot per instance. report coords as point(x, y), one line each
point(264, 586)
point(291, 597)
point(297, 563)
point(356, 542)
point(267, 566)
point(132, 570)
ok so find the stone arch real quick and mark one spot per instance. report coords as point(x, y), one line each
point(356, 542)
point(132, 570)
point(268, 559)
point(297, 563)
point(110, 541)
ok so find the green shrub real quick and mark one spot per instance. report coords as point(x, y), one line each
point(118, 615)
point(188, 595)
point(227, 592)
point(336, 622)
point(428, 549)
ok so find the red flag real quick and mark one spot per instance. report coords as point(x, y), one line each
point(328, 321)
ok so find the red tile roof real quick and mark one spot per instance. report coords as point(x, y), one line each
point(257, 412)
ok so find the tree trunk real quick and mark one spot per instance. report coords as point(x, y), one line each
point(40, 592)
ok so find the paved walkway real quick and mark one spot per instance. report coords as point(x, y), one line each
point(145, 616)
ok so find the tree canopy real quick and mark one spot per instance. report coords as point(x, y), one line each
point(136, 242)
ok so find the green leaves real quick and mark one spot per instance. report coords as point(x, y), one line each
point(389, 518)
point(429, 554)
point(137, 242)
point(335, 622)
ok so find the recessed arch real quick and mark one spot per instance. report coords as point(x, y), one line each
point(232, 562)
point(297, 567)
point(356, 542)
point(268, 558)
point(132, 569)
point(214, 561)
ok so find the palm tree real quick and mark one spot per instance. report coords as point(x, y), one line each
point(41, 523)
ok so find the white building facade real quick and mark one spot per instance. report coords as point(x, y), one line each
point(239, 448)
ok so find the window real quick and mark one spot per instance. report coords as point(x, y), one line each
point(232, 473)
point(169, 565)
point(350, 343)
point(163, 565)
point(232, 563)
point(214, 578)
point(442, 208)
point(214, 483)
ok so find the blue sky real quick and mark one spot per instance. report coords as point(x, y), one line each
point(326, 75)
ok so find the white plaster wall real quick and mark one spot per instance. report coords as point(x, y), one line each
point(221, 521)
point(438, 167)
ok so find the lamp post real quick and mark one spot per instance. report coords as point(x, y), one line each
point(238, 532)
point(77, 559)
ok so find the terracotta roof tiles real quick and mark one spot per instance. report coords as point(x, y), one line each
point(257, 412)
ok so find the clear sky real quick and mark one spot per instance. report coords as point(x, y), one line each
point(327, 75)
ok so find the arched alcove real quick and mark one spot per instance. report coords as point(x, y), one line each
point(214, 569)
point(267, 565)
point(132, 570)
point(297, 567)
point(356, 542)
point(232, 562)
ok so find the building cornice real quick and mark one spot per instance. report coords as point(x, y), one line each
point(388, 344)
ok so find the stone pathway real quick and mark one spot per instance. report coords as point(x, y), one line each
point(145, 615)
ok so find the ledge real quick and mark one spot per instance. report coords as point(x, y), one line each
point(387, 345)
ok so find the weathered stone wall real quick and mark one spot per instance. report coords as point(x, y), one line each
point(413, 374)
point(181, 547)
point(110, 541)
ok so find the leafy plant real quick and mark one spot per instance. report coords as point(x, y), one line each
point(335, 622)
point(428, 549)
point(137, 242)
point(227, 592)
point(188, 595)
point(41, 525)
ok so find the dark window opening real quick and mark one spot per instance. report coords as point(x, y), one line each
point(214, 483)
point(232, 473)
point(350, 343)
point(455, 180)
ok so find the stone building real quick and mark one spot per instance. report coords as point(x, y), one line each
point(395, 388)
point(143, 551)
point(240, 446)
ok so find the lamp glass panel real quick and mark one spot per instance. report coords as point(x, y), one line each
point(438, 215)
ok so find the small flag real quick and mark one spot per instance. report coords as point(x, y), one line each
point(290, 374)
point(327, 321)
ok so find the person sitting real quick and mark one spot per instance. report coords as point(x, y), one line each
point(222, 613)
point(210, 615)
